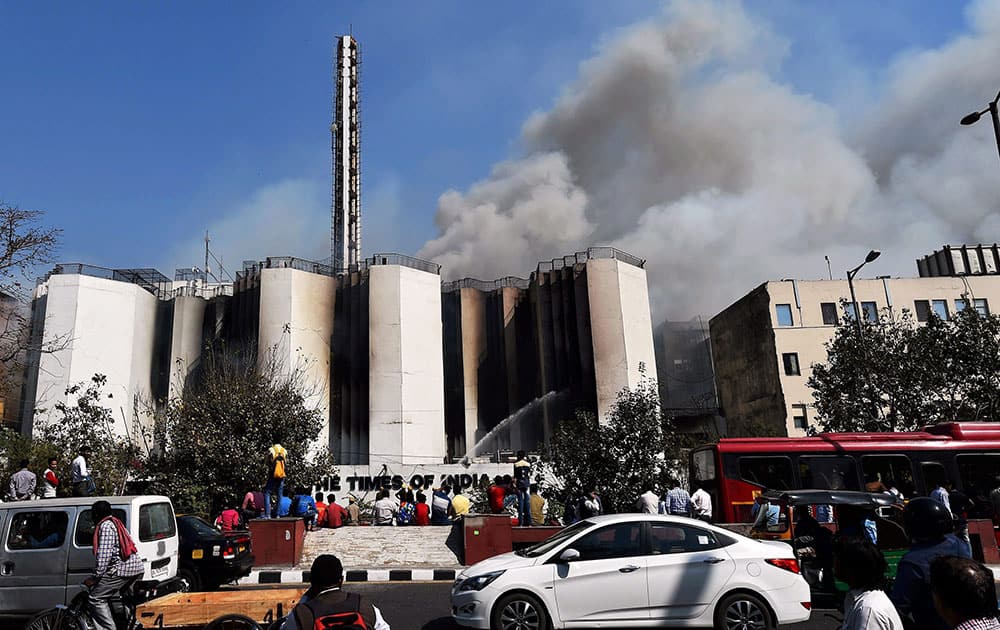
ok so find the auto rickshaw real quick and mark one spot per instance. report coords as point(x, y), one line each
point(810, 519)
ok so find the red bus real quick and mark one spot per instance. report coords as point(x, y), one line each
point(736, 469)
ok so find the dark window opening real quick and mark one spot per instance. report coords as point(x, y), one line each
point(828, 473)
point(769, 472)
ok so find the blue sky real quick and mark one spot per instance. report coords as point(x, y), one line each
point(136, 126)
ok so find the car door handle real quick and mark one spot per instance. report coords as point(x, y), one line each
point(628, 568)
point(714, 560)
point(7, 568)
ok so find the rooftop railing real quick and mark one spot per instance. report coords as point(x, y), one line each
point(149, 279)
point(402, 260)
point(486, 285)
point(591, 253)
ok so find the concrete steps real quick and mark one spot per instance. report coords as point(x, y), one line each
point(411, 547)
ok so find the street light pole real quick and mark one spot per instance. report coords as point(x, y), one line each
point(972, 118)
point(872, 255)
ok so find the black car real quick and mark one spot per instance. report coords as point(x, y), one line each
point(210, 558)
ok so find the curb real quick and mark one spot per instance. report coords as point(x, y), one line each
point(356, 575)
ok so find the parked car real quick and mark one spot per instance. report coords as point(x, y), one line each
point(635, 570)
point(47, 548)
point(209, 557)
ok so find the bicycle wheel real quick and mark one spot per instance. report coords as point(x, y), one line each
point(233, 622)
point(57, 619)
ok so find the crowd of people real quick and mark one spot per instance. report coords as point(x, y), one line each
point(24, 485)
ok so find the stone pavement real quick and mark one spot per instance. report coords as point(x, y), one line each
point(431, 547)
point(376, 554)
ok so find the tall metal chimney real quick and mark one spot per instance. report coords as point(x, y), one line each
point(346, 144)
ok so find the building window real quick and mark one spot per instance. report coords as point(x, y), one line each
point(940, 308)
point(960, 305)
point(799, 417)
point(982, 306)
point(849, 311)
point(829, 313)
point(923, 309)
point(784, 314)
point(870, 310)
point(791, 361)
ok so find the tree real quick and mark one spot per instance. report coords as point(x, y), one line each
point(637, 446)
point(212, 440)
point(86, 421)
point(25, 245)
point(900, 376)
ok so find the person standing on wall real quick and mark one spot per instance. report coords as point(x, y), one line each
point(82, 482)
point(277, 467)
point(50, 482)
point(522, 483)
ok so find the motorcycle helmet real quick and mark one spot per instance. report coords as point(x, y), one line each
point(927, 519)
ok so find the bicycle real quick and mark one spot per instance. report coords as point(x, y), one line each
point(76, 616)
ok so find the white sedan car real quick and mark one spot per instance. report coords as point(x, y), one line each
point(635, 571)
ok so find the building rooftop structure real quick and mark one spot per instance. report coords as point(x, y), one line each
point(960, 260)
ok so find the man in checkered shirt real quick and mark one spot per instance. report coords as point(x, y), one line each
point(965, 593)
point(118, 564)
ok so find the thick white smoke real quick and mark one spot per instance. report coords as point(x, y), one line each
point(676, 144)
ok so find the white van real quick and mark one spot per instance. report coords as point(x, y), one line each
point(46, 547)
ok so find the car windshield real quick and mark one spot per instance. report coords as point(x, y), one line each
point(197, 527)
point(549, 544)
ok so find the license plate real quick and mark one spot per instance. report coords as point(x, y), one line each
point(197, 554)
point(161, 572)
point(241, 548)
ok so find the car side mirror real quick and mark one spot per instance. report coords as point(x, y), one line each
point(569, 555)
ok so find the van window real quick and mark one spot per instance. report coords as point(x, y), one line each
point(156, 521)
point(84, 536)
point(37, 530)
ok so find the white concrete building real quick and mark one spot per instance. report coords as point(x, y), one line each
point(764, 344)
point(407, 371)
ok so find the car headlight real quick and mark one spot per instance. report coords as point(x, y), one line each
point(478, 582)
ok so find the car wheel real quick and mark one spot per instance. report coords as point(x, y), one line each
point(743, 611)
point(519, 611)
point(190, 580)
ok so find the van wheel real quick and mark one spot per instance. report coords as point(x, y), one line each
point(743, 611)
point(519, 611)
point(190, 580)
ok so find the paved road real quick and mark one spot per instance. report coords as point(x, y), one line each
point(413, 606)
point(426, 606)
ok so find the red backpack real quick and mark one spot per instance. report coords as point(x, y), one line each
point(345, 615)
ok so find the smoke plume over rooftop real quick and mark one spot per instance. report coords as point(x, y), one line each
point(677, 143)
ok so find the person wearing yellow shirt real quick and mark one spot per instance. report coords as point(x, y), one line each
point(537, 504)
point(459, 505)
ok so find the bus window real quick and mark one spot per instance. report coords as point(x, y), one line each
point(888, 470)
point(774, 473)
point(978, 475)
point(703, 467)
point(828, 473)
point(934, 475)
